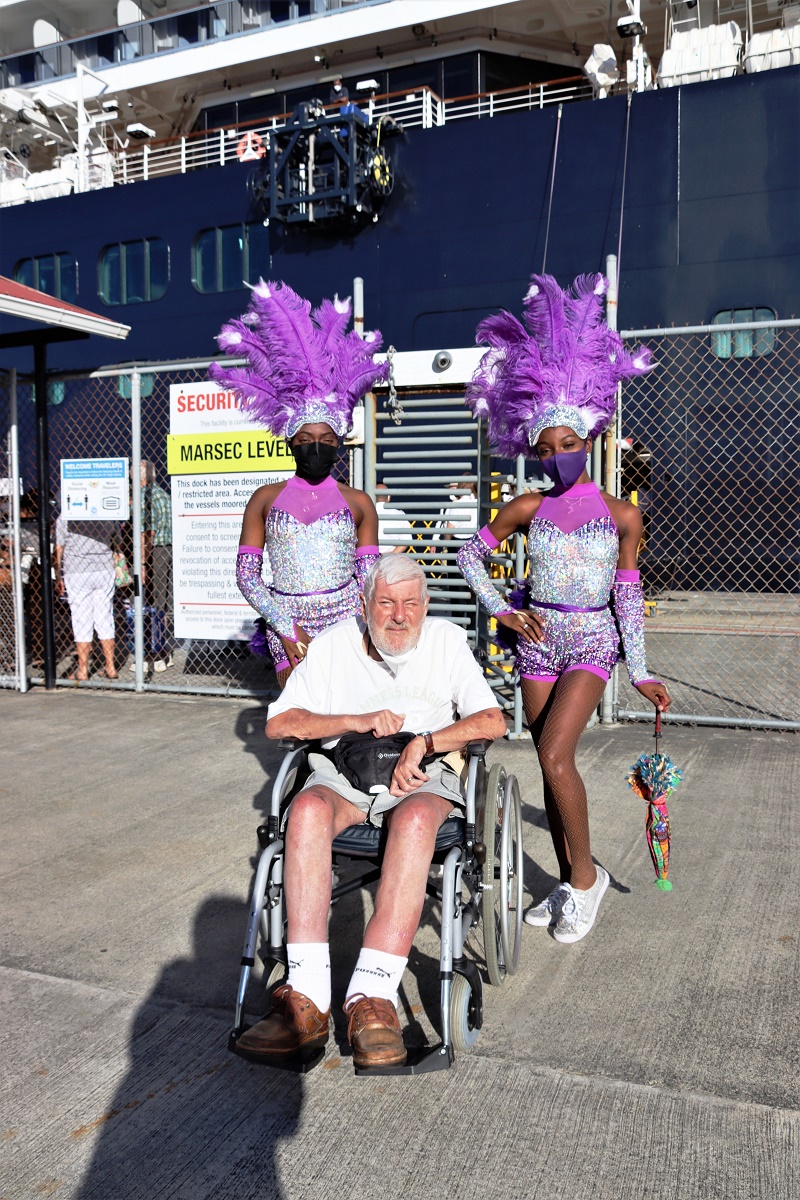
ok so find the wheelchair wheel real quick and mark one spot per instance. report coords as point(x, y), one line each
point(462, 1030)
point(511, 875)
point(491, 904)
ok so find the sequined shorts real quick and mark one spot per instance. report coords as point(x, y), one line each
point(572, 641)
point(315, 612)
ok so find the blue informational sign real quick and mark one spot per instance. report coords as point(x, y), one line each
point(95, 489)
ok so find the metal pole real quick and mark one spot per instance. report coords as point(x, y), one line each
point(16, 558)
point(43, 484)
point(358, 305)
point(369, 466)
point(607, 713)
point(519, 571)
point(136, 520)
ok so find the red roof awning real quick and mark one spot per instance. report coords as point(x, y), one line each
point(17, 300)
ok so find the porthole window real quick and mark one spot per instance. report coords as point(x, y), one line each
point(133, 272)
point(744, 343)
point(227, 257)
point(56, 274)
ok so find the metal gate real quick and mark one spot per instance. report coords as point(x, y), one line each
point(122, 412)
point(429, 470)
point(711, 452)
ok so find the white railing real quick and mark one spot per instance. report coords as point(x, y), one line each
point(421, 108)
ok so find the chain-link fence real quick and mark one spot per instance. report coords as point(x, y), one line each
point(711, 454)
point(90, 418)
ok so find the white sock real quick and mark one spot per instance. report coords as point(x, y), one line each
point(377, 974)
point(310, 971)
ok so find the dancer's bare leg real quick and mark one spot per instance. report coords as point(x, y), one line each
point(557, 721)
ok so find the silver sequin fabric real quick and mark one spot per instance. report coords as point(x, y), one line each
point(575, 568)
point(312, 558)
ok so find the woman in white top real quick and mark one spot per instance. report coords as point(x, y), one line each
point(85, 573)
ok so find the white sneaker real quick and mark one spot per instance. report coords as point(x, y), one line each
point(161, 664)
point(549, 910)
point(132, 665)
point(580, 909)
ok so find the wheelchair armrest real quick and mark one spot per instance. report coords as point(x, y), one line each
point(477, 749)
point(292, 744)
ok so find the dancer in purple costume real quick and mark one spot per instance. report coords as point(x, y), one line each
point(547, 389)
point(303, 378)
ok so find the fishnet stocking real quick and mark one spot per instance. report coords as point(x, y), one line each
point(557, 715)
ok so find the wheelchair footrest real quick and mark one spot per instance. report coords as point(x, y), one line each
point(298, 1066)
point(420, 1061)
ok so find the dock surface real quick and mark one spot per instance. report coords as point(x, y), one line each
point(658, 1058)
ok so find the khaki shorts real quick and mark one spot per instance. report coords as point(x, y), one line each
point(443, 781)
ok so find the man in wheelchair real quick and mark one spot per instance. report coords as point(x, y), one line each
point(397, 671)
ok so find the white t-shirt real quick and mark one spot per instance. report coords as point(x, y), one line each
point(393, 525)
point(440, 679)
point(462, 518)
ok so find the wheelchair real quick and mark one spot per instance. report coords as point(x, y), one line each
point(480, 884)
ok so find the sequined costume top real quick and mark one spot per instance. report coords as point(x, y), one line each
point(573, 550)
point(316, 570)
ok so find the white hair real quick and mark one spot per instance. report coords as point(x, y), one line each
point(395, 568)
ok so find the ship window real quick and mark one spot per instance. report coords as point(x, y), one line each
point(744, 343)
point(227, 257)
point(133, 272)
point(56, 274)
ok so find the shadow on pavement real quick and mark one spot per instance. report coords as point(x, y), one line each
point(189, 1118)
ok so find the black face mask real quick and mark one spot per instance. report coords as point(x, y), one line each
point(314, 460)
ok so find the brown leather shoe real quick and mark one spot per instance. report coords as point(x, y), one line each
point(292, 1026)
point(373, 1031)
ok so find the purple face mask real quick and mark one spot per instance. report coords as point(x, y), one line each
point(565, 469)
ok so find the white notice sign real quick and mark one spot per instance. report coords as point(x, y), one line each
point(206, 520)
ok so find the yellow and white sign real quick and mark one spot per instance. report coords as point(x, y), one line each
point(230, 450)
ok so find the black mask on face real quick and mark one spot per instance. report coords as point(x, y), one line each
point(314, 460)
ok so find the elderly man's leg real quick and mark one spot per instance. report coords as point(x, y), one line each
point(298, 1019)
point(371, 1002)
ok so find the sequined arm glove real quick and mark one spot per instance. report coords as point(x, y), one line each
point(366, 557)
point(248, 576)
point(470, 559)
point(628, 599)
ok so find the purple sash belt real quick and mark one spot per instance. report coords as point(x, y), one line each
point(324, 592)
point(566, 608)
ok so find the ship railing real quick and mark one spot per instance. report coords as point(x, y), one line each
point(420, 108)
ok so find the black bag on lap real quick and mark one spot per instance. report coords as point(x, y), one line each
point(367, 761)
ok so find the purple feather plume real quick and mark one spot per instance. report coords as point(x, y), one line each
point(301, 366)
point(570, 360)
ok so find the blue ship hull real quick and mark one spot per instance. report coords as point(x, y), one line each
point(711, 222)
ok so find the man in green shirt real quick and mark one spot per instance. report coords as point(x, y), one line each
point(157, 553)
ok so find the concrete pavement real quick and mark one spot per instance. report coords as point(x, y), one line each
point(658, 1058)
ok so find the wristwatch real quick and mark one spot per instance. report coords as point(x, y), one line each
point(428, 742)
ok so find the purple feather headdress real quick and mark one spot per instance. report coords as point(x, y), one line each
point(302, 367)
point(561, 367)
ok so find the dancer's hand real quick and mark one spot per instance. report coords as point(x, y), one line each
point(656, 692)
point(296, 651)
point(524, 622)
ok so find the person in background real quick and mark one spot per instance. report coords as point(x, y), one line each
point(338, 93)
point(157, 551)
point(85, 574)
point(393, 524)
point(460, 521)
